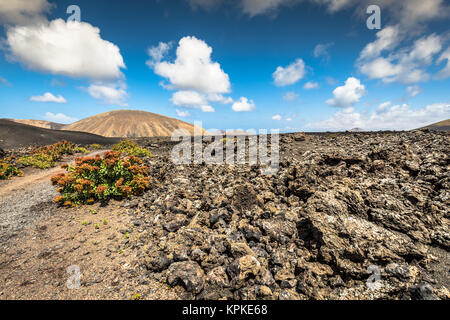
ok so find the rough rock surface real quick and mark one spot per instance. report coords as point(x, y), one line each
point(347, 216)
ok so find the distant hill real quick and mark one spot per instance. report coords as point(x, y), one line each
point(14, 134)
point(40, 123)
point(130, 123)
point(439, 126)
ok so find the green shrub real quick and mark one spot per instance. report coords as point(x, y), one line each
point(101, 178)
point(47, 156)
point(96, 146)
point(131, 148)
point(8, 169)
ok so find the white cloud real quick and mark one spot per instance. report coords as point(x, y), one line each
point(59, 118)
point(284, 76)
point(310, 85)
point(191, 99)
point(216, 97)
point(193, 68)
point(383, 106)
point(243, 105)
point(406, 66)
point(290, 96)
point(347, 95)
point(321, 50)
point(277, 117)
point(414, 90)
point(444, 73)
point(65, 48)
point(397, 117)
point(157, 53)
point(48, 97)
point(23, 11)
point(182, 113)
point(387, 38)
point(256, 7)
point(109, 93)
point(188, 99)
point(408, 13)
point(207, 108)
point(334, 5)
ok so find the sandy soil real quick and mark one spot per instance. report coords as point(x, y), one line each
point(40, 241)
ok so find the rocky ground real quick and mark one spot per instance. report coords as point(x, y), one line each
point(347, 216)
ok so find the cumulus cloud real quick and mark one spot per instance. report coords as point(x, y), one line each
point(59, 118)
point(191, 99)
point(157, 53)
point(387, 38)
point(397, 117)
point(109, 93)
point(276, 117)
point(199, 80)
point(444, 73)
point(48, 97)
point(347, 95)
point(71, 49)
point(243, 104)
point(310, 85)
point(414, 90)
point(408, 13)
point(181, 113)
point(321, 50)
point(406, 66)
point(284, 76)
point(23, 11)
point(383, 106)
point(290, 96)
point(193, 68)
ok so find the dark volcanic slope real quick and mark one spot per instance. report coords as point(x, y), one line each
point(14, 134)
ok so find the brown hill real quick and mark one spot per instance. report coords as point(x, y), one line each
point(439, 126)
point(40, 123)
point(130, 123)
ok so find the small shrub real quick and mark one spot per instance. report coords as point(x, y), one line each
point(96, 146)
point(47, 156)
point(8, 169)
point(131, 148)
point(101, 178)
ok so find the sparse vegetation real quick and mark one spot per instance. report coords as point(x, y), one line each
point(47, 156)
point(101, 178)
point(8, 169)
point(128, 147)
point(96, 146)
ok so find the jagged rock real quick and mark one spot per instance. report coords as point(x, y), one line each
point(188, 274)
point(339, 204)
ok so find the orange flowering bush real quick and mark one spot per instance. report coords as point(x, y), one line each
point(47, 156)
point(8, 169)
point(101, 178)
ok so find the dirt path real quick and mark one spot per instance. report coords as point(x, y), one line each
point(24, 199)
point(39, 241)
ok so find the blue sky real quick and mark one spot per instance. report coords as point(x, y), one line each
point(231, 64)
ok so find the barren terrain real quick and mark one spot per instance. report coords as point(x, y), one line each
point(341, 208)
